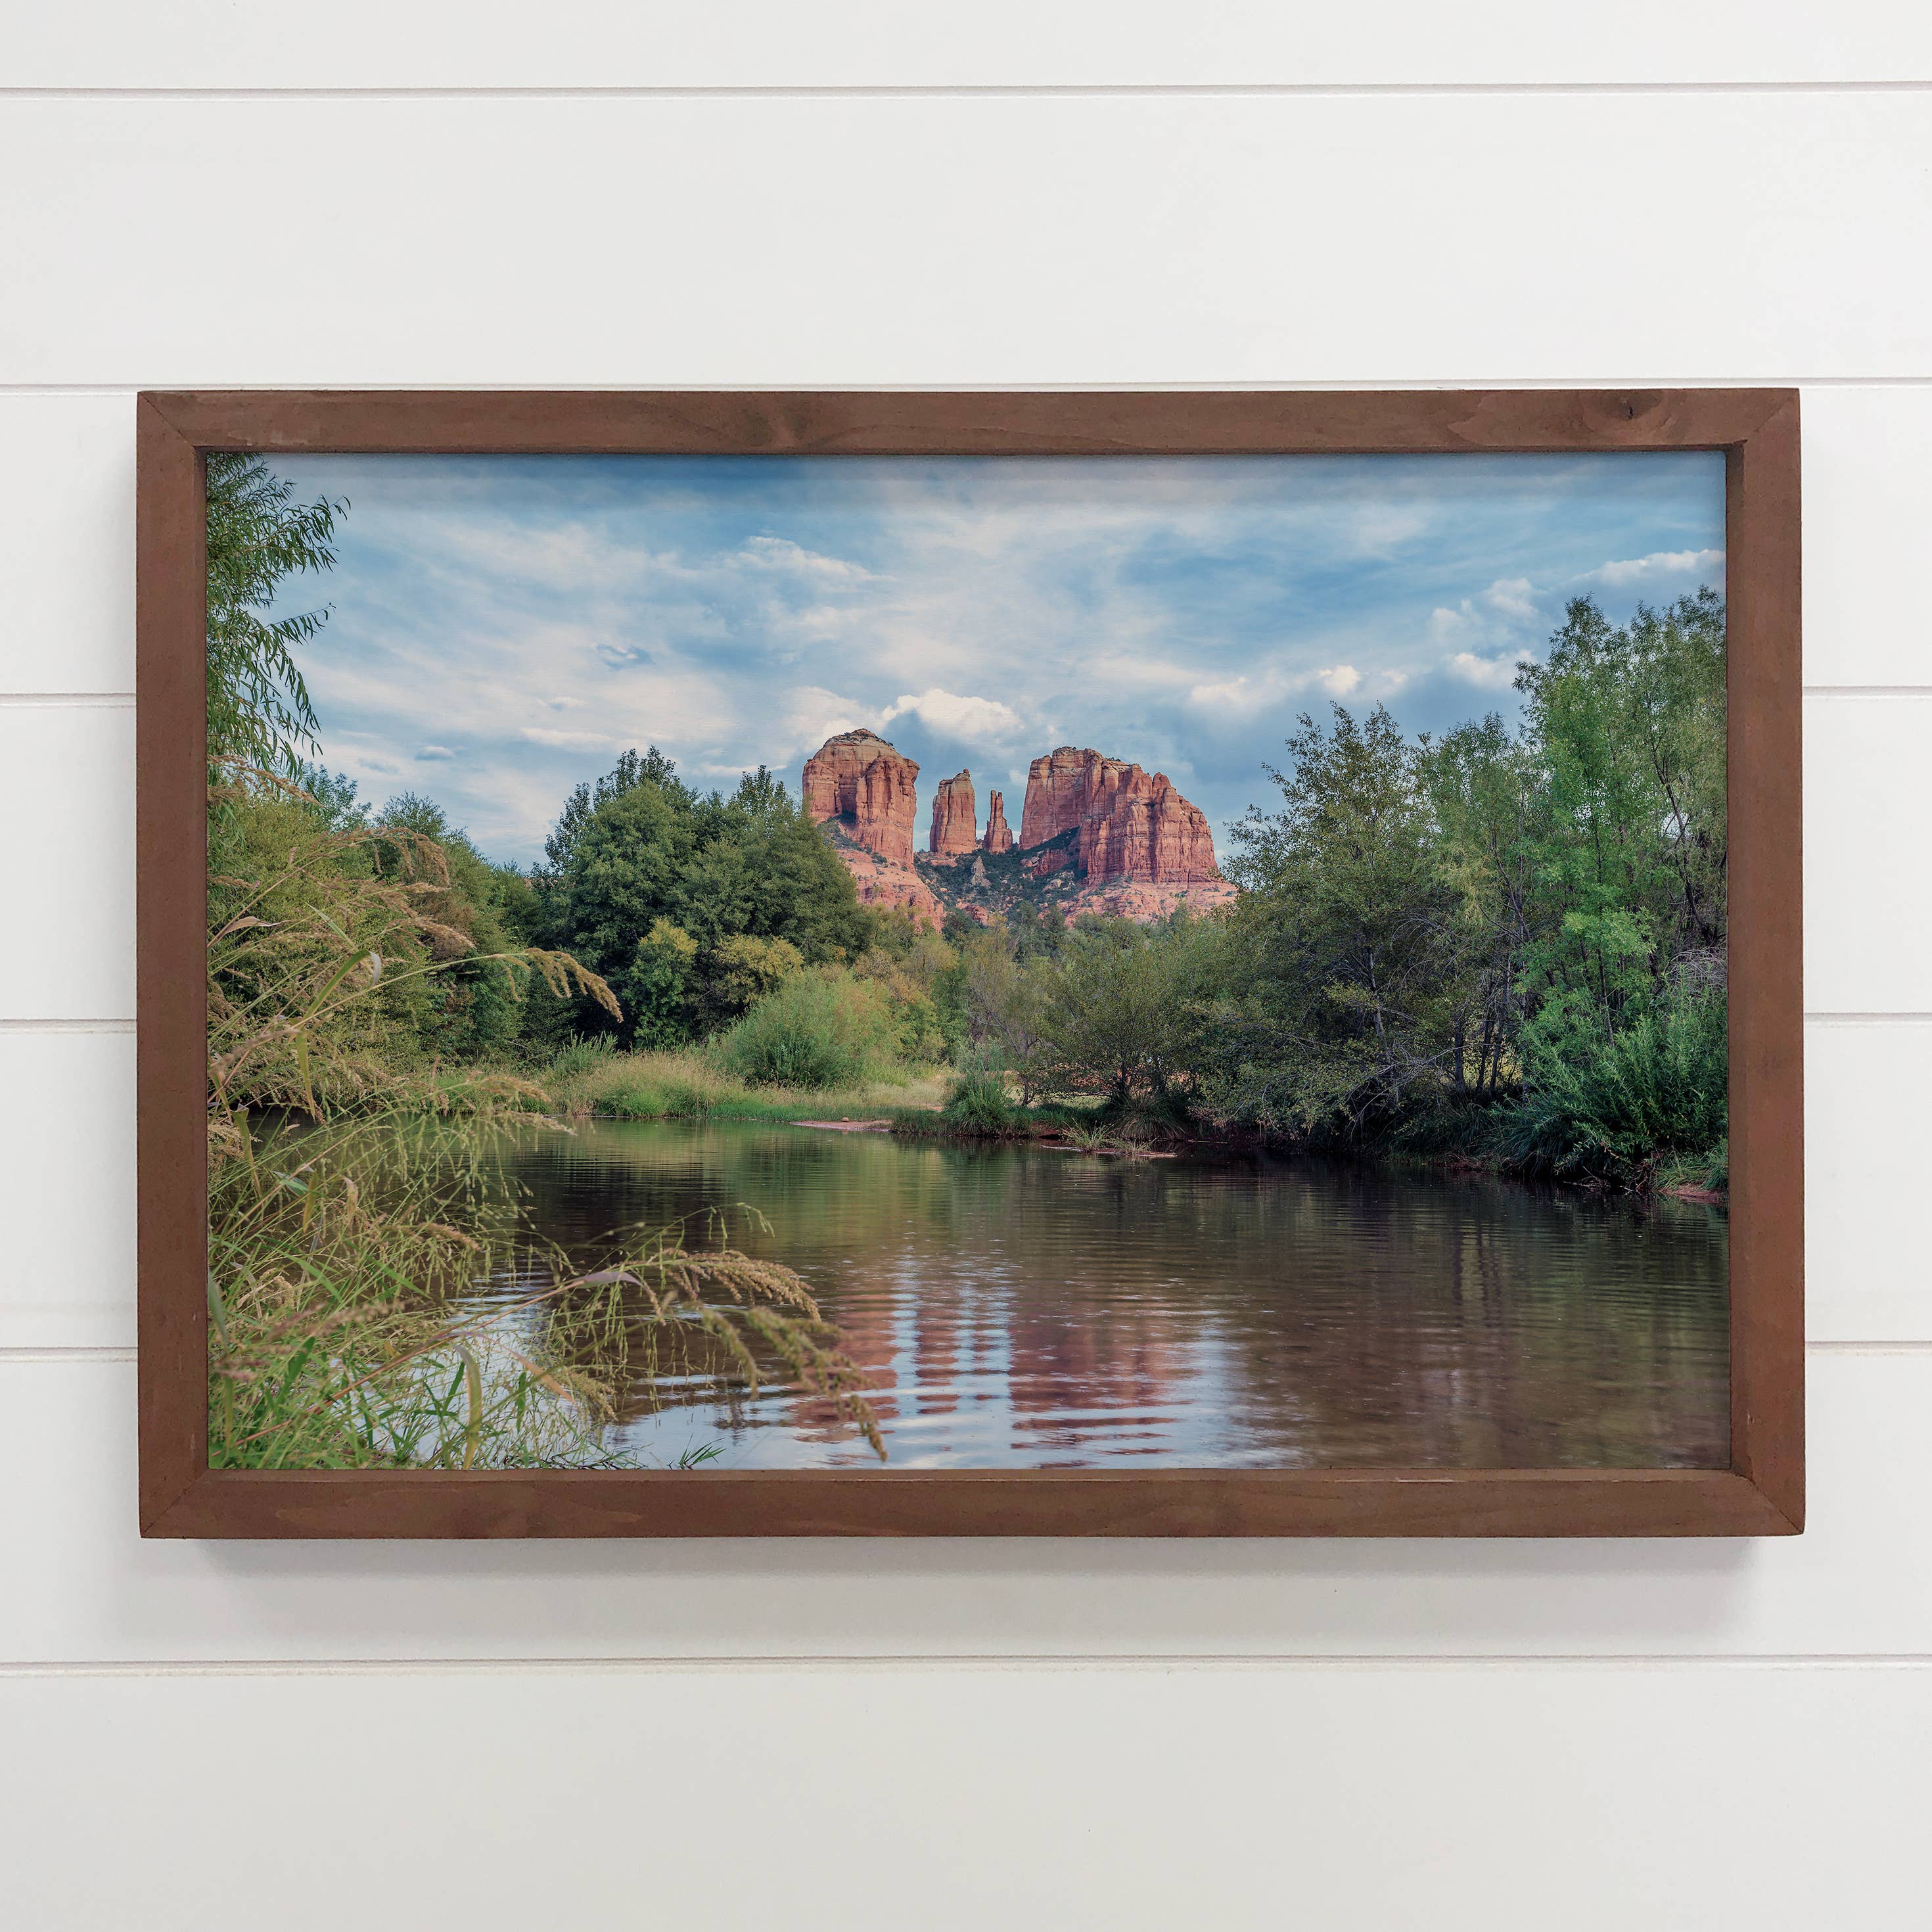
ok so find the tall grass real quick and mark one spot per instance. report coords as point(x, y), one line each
point(349, 1235)
point(347, 1330)
point(692, 1085)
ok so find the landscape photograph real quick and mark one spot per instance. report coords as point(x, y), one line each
point(797, 962)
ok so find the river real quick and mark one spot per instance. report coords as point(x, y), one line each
point(1020, 1307)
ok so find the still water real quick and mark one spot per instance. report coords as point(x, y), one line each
point(1021, 1307)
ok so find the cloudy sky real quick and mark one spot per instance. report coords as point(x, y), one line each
point(504, 626)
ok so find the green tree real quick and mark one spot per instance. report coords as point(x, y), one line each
point(1123, 1007)
point(259, 711)
point(1357, 969)
point(750, 880)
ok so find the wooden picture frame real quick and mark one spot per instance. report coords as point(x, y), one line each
point(1761, 1493)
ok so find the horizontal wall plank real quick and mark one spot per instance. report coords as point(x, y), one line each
point(1468, 1800)
point(67, 865)
point(66, 543)
point(1867, 1151)
point(82, 1587)
point(66, 1190)
point(1868, 907)
point(1867, 508)
point(980, 240)
point(67, 1186)
point(597, 43)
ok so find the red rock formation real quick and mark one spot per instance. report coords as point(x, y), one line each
point(955, 815)
point(1132, 826)
point(858, 779)
point(999, 834)
point(1149, 832)
point(1064, 789)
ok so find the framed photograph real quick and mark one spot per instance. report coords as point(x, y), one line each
point(935, 965)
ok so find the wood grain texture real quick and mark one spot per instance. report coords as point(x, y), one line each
point(1762, 1494)
point(171, 969)
point(1764, 592)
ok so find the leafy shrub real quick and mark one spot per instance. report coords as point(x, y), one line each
point(821, 1028)
point(1614, 1109)
point(581, 1055)
point(979, 1103)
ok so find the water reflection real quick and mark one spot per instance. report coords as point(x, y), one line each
point(1020, 1307)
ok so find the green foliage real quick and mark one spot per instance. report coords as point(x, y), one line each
point(1615, 1108)
point(700, 906)
point(581, 1056)
point(979, 1102)
point(1356, 968)
point(1431, 932)
point(824, 1027)
point(259, 711)
point(1122, 1009)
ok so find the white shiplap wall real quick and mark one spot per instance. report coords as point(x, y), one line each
point(1346, 1735)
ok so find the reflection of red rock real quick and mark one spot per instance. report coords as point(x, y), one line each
point(954, 812)
point(868, 794)
point(999, 834)
point(859, 780)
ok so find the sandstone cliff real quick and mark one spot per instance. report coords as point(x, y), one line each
point(859, 781)
point(1131, 826)
point(1096, 833)
point(955, 818)
point(867, 796)
point(999, 834)
point(1065, 788)
point(1149, 832)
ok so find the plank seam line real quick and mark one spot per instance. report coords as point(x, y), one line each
point(1029, 1662)
point(887, 91)
point(25, 1026)
point(1152, 386)
point(74, 700)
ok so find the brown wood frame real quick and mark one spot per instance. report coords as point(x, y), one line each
point(1761, 1492)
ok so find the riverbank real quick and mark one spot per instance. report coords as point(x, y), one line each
point(687, 1086)
point(938, 1104)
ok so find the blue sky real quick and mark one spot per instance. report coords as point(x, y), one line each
point(504, 626)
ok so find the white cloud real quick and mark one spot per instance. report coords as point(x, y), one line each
point(538, 734)
point(982, 720)
point(1378, 528)
point(1485, 673)
point(1494, 616)
point(1512, 597)
point(1338, 680)
point(1658, 564)
point(434, 751)
point(767, 553)
point(1232, 692)
point(811, 716)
